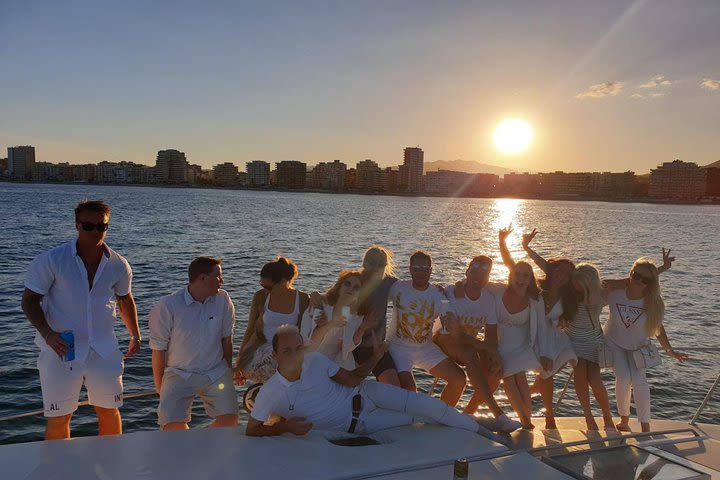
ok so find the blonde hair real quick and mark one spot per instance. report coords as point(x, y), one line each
point(652, 299)
point(587, 275)
point(389, 266)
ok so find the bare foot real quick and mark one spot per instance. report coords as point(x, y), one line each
point(550, 424)
point(623, 427)
point(645, 427)
point(591, 424)
point(609, 427)
point(529, 426)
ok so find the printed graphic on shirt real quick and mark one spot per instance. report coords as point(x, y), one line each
point(471, 324)
point(629, 314)
point(415, 319)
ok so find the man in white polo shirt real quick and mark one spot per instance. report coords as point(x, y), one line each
point(191, 341)
point(76, 287)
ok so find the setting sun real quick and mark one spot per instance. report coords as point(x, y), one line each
point(512, 136)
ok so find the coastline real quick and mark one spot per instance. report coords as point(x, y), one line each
point(647, 200)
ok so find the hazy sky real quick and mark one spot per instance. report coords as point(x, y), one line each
point(607, 85)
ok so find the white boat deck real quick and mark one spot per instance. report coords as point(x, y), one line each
point(415, 452)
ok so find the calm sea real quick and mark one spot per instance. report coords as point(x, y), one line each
point(159, 230)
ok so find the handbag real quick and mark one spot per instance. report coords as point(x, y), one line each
point(604, 353)
point(647, 356)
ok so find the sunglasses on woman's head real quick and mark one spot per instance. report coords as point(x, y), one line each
point(637, 276)
point(89, 226)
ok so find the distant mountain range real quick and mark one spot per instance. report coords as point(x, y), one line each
point(468, 166)
point(713, 165)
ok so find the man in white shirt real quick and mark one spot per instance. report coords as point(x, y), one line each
point(191, 341)
point(472, 309)
point(310, 391)
point(75, 287)
point(416, 305)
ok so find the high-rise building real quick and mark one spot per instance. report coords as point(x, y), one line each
point(3, 167)
point(564, 184)
point(412, 173)
point(328, 176)
point(171, 167)
point(368, 176)
point(194, 173)
point(447, 182)
point(225, 174)
point(520, 184)
point(713, 182)
point(612, 184)
point(389, 179)
point(678, 179)
point(291, 174)
point(20, 162)
point(258, 173)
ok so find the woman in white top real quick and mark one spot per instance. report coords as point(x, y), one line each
point(559, 302)
point(338, 331)
point(277, 303)
point(636, 315)
point(520, 333)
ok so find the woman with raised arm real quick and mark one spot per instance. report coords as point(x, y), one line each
point(277, 303)
point(522, 336)
point(559, 302)
point(340, 329)
point(636, 315)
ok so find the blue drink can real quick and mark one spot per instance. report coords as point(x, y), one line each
point(69, 338)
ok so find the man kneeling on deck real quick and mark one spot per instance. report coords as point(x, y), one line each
point(191, 341)
point(310, 391)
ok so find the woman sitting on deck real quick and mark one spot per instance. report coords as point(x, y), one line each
point(336, 328)
point(277, 303)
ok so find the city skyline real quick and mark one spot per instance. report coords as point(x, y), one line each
point(612, 86)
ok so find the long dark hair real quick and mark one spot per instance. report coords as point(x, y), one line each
point(568, 297)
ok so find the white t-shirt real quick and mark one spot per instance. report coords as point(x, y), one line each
point(473, 315)
point(68, 302)
point(626, 325)
point(315, 396)
point(191, 332)
point(414, 312)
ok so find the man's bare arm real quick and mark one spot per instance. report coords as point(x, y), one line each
point(159, 362)
point(296, 426)
point(128, 315)
point(32, 306)
point(227, 348)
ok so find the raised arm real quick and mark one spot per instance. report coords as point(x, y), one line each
point(539, 261)
point(504, 252)
point(667, 261)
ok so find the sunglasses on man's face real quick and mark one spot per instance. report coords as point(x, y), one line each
point(483, 267)
point(89, 226)
point(637, 276)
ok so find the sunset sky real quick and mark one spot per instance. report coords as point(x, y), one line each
point(605, 85)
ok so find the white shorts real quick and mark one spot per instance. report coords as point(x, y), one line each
point(425, 356)
point(177, 395)
point(61, 381)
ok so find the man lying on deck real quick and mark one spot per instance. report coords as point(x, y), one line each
point(310, 391)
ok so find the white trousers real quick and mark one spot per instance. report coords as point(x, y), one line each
point(629, 380)
point(386, 406)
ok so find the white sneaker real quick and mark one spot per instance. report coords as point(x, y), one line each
point(506, 425)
